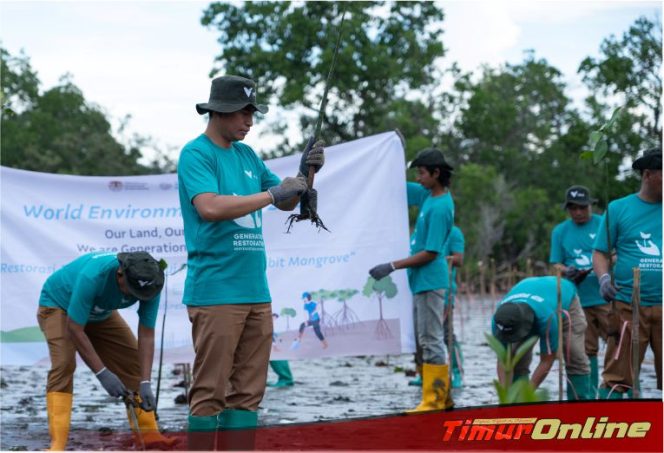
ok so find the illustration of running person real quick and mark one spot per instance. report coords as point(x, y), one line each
point(311, 307)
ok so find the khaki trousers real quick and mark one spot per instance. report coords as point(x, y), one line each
point(232, 345)
point(112, 339)
point(577, 362)
point(619, 371)
point(597, 318)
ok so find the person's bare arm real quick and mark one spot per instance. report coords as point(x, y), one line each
point(456, 259)
point(600, 263)
point(84, 346)
point(417, 260)
point(145, 351)
point(213, 207)
point(543, 368)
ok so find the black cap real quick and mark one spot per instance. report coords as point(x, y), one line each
point(579, 195)
point(144, 276)
point(514, 321)
point(230, 94)
point(430, 157)
point(651, 159)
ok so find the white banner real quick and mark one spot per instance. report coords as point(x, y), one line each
point(48, 220)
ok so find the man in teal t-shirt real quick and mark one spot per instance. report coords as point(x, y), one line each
point(427, 271)
point(635, 232)
point(223, 186)
point(571, 249)
point(78, 313)
point(530, 309)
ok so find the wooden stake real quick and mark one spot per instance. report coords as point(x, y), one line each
point(636, 302)
point(559, 312)
point(450, 319)
point(481, 266)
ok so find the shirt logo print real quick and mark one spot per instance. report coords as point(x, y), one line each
point(581, 259)
point(647, 246)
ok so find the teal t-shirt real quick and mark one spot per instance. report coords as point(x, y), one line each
point(541, 294)
point(226, 259)
point(456, 243)
point(636, 235)
point(572, 245)
point(432, 228)
point(88, 291)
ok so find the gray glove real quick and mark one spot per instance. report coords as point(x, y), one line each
point(289, 188)
point(312, 155)
point(148, 401)
point(111, 383)
point(381, 271)
point(606, 289)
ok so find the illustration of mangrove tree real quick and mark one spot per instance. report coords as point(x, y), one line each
point(383, 288)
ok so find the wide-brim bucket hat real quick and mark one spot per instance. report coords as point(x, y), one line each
point(229, 94)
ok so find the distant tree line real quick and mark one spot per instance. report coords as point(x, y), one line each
point(58, 131)
point(512, 132)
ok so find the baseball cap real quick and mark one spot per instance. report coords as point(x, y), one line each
point(651, 159)
point(579, 195)
point(514, 322)
point(144, 276)
point(430, 157)
point(230, 94)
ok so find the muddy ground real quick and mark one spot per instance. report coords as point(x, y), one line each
point(325, 389)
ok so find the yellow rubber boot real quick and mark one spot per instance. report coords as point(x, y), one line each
point(435, 388)
point(149, 431)
point(58, 407)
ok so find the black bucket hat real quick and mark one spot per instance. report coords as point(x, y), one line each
point(229, 94)
point(430, 157)
point(143, 274)
point(514, 321)
point(579, 195)
point(651, 159)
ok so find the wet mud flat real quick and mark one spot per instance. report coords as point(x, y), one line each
point(325, 389)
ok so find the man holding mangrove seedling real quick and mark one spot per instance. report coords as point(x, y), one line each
point(223, 186)
point(571, 249)
point(635, 233)
point(427, 271)
point(528, 310)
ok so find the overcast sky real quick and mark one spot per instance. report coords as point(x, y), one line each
point(151, 59)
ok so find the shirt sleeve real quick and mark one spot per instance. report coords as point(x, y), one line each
point(438, 231)
point(457, 242)
point(416, 194)
point(600, 240)
point(82, 298)
point(268, 179)
point(147, 311)
point(556, 254)
point(197, 174)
